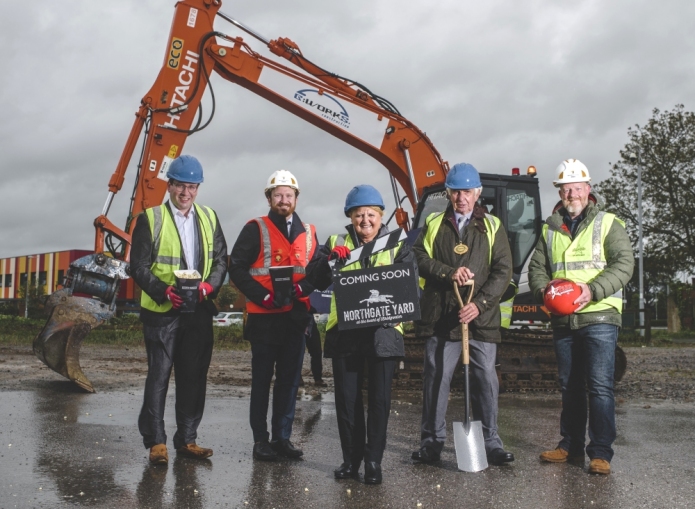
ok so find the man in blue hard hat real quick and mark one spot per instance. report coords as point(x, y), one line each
point(461, 243)
point(178, 234)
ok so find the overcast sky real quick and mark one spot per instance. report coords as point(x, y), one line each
point(497, 84)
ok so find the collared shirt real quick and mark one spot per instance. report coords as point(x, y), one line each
point(289, 227)
point(462, 219)
point(572, 224)
point(186, 227)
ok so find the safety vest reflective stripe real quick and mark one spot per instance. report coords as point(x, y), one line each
point(275, 251)
point(507, 308)
point(265, 238)
point(166, 247)
point(382, 258)
point(583, 258)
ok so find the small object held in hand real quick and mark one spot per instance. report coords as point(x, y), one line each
point(187, 284)
point(173, 296)
point(297, 291)
point(341, 253)
point(559, 297)
point(204, 289)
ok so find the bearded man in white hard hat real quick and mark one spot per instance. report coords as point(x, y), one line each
point(584, 244)
point(276, 322)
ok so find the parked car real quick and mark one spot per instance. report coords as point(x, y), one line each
point(228, 318)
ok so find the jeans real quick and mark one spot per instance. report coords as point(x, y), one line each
point(286, 362)
point(586, 358)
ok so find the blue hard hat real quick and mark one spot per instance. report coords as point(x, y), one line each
point(463, 176)
point(363, 196)
point(186, 169)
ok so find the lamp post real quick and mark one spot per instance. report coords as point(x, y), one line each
point(634, 158)
point(26, 291)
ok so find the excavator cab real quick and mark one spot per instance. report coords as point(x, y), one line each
point(515, 200)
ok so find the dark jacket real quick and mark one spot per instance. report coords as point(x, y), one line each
point(383, 341)
point(620, 264)
point(266, 328)
point(142, 258)
point(438, 304)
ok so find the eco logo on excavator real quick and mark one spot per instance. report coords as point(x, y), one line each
point(335, 112)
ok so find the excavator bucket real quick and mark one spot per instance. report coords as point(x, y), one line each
point(58, 343)
point(72, 317)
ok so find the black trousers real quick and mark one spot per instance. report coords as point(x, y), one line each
point(186, 344)
point(285, 361)
point(313, 345)
point(357, 440)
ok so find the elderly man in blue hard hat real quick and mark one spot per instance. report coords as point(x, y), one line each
point(179, 234)
point(463, 242)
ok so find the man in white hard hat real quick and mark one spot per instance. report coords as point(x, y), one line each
point(584, 244)
point(275, 326)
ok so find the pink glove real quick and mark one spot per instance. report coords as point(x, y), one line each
point(297, 291)
point(173, 297)
point(203, 290)
point(341, 253)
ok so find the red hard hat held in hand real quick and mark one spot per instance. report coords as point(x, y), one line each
point(559, 297)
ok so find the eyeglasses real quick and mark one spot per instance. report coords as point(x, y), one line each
point(192, 188)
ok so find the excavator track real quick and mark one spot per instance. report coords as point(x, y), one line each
point(525, 361)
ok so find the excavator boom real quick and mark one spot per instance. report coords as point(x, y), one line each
point(171, 111)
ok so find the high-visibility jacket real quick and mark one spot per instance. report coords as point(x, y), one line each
point(277, 251)
point(379, 259)
point(166, 246)
point(492, 224)
point(507, 308)
point(582, 258)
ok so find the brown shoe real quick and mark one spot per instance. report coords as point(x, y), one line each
point(159, 454)
point(559, 455)
point(193, 451)
point(599, 466)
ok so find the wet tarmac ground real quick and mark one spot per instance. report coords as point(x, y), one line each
point(63, 448)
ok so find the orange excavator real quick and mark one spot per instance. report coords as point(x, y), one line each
point(171, 111)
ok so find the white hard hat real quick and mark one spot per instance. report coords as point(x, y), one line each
point(282, 178)
point(571, 170)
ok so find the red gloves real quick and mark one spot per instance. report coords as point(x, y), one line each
point(340, 253)
point(203, 290)
point(173, 297)
point(297, 291)
point(269, 301)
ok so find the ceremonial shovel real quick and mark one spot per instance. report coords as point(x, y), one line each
point(468, 435)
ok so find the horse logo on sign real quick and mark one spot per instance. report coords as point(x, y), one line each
point(375, 298)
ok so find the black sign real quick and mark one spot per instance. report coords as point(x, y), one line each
point(376, 296)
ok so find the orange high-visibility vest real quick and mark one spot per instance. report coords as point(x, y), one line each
point(276, 251)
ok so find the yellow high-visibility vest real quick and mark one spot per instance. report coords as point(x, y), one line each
point(382, 258)
point(582, 258)
point(166, 246)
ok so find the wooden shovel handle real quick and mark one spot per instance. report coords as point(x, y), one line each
point(464, 326)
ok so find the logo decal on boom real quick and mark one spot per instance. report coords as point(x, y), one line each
point(333, 111)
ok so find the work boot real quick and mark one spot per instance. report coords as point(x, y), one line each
point(193, 451)
point(318, 382)
point(559, 455)
point(599, 466)
point(159, 454)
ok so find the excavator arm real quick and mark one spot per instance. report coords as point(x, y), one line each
point(171, 111)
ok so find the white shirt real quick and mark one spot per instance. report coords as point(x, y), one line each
point(186, 227)
point(289, 227)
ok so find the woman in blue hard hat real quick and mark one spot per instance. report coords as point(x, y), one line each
point(374, 349)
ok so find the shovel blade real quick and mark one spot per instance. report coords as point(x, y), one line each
point(470, 447)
